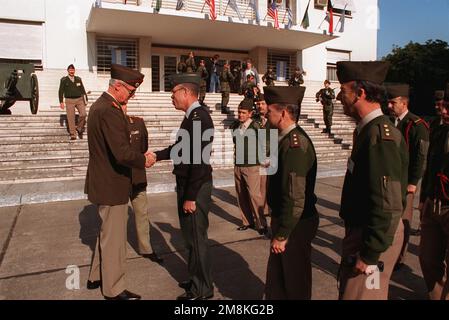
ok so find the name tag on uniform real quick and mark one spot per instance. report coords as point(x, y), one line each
point(78, 84)
point(350, 165)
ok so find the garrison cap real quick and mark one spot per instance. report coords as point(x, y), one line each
point(372, 71)
point(284, 95)
point(246, 104)
point(439, 95)
point(130, 76)
point(446, 93)
point(179, 78)
point(71, 66)
point(395, 90)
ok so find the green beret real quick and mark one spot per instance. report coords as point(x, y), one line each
point(372, 71)
point(439, 95)
point(130, 76)
point(246, 104)
point(179, 78)
point(284, 95)
point(395, 90)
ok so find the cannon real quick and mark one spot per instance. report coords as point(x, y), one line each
point(18, 82)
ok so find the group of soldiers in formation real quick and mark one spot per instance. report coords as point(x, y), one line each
point(390, 155)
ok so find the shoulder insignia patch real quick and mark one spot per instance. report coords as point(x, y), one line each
point(385, 132)
point(196, 116)
point(294, 140)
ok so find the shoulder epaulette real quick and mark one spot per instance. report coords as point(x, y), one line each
point(385, 132)
point(420, 120)
point(294, 140)
point(195, 116)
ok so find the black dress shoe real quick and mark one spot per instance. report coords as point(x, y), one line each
point(153, 257)
point(91, 285)
point(125, 295)
point(186, 285)
point(190, 296)
point(80, 133)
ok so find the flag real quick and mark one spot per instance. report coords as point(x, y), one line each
point(179, 4)
point(305, 20)
point(253, 5)
point(330, 17)
point(290, 18)
point(158, 5)
point(211, 4)
point(273, 12)
point(342, 21)
point(235, 7)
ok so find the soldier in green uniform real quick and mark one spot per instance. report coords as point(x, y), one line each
point(193, 183)
point(181, 67)
point(139, 143)
point(269, 77)
point(292, 200)
point(416, 134)
point(325, 96)
point(202, 72)
point(72, 89)
point(434, 198)
point(439, 101)
point(265, 125)
point(373, 196)
point(190, 63)
point(297, 78)
point(247, 169)
point(225, 78)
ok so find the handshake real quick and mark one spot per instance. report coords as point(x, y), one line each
point(150, 158)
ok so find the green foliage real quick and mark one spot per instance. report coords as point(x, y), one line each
point(425, 67)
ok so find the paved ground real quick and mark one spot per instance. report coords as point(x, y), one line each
point(39, 241)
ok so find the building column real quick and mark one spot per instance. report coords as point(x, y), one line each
point(145, 62)
point(262, 5)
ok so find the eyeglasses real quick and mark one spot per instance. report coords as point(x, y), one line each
point(130, 92)
point(174, 91)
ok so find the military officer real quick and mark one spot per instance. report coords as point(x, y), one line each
point(181, 67)
point(269, 77)
point(292, 200)
point(193, 183)
point(325, 96)
point(416, 134)
point(108, 181)
point(190, 63)
point(247, 169)
point(373, 195)
point(202, 72)
point(225, 78)
point(434, 245)
point(72, 89)
point(139, 142)
point(439, 101)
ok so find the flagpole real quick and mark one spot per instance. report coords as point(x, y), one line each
point(283, 19)
point(203, 6)
point(226, 8)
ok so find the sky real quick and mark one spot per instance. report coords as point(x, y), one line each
point(402, 21)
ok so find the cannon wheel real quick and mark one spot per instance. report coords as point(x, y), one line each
point(34, 102)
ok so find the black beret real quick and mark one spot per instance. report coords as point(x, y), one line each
point(372, 71)
point(246, 104)
point(439, 95)
point(395, 90)
point(446, 93)
point(130, 76)
point(179, 78)
point(71, 66)
point(284, 95)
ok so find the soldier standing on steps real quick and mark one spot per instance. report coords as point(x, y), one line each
point(225, 78)
point(325, 96)
point(72, 89)
point(202, 72)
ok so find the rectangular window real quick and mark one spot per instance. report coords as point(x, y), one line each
point(155, 71)
point(333, 56)
point(169, 68)
point(283, 63)
point(119, 51)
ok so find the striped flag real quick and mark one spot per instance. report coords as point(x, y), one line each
point(273, 12)
point(179, 4)
point(235, 7)
point(342, 21)
point(211, 4)
point(305, 20)
point(330, 16)
point(290, 18)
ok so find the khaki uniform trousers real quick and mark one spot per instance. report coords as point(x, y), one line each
point(263, 193)
point(289, 274)
point(139, 203)
point(70, 105)
point(109, 260)
point(407, 219)
point(247, 186)
point(434, 250)
point(354, 286)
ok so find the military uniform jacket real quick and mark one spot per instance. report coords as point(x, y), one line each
point(203, 74)
point(291, 194)
point(435, 183)
point(296, 80)
point(190, 65)
point(192, 174)
point(182, 67)
point(414, 129)
point(139, 143)
point(250, 144)
point(269, 78)
point(226, 77)
point(111, 157)
point(374, 189)
point(71, 89)
point(325, 95)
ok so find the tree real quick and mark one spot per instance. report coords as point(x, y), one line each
point(425, 67)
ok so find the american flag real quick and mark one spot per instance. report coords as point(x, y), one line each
point(211, 4)
point(273, 12)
